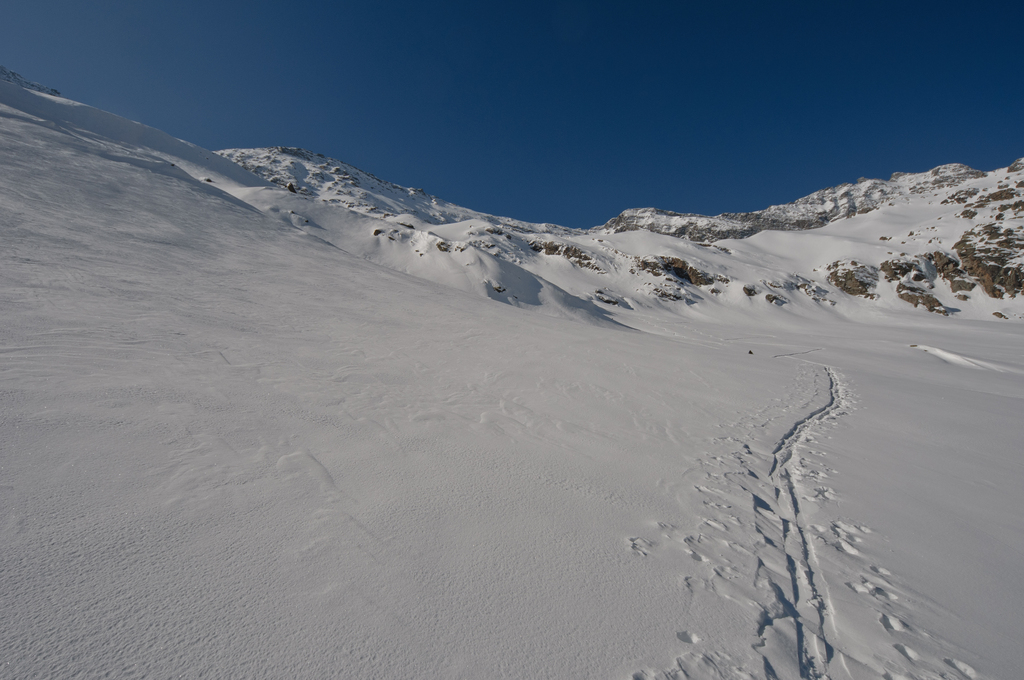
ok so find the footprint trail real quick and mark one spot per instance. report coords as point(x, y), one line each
point(755, 545)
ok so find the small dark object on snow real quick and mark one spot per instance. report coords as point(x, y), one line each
point(291, 188)
point(750, 351)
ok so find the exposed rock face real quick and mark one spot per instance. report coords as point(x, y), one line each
point(681, 269)
point(853, 278)
point(894, 270)
point(1004, 202)
point(993, 255)
point(917, 296)
point(916, 276)
point(949, 269)
point(571, 253)
point(961, 197)
point(958, 285)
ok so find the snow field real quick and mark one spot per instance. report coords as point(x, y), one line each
point(239, 444)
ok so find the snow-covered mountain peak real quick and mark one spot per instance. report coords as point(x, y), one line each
point(10, 76)
point(809, 212)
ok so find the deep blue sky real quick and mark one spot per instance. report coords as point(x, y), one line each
point(560, 111)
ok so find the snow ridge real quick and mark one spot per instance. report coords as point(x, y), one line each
point(10, 76)
point(809, 212)
point(337, 183)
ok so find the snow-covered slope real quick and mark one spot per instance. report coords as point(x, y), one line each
point(243, 435)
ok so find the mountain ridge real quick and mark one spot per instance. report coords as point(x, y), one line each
point(10, 76)
point(335, 182)
point(809, 212)
point(691, 259)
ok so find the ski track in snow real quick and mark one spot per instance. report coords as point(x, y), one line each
point(809, 609)
point(797, 635)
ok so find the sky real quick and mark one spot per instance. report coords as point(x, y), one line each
point(561, 111)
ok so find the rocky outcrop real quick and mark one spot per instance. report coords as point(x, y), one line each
point(992, 255)
point(949, 269)
point(571, 253)
point(673, 266)
point(894, 270)
point(917, 296)
point(1004, 202)
point(682, 270)
point(853, 278)
point(960, 197)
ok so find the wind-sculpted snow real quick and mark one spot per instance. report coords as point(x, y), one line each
point(246, 432)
